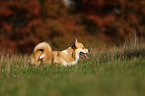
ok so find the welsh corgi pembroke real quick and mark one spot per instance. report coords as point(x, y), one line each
point(43, 54)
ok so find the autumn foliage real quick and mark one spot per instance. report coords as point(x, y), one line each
point(113, 20)
point(24, 23)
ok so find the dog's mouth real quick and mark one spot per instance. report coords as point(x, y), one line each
point(84, 55)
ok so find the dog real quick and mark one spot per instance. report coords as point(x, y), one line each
point(43, 54)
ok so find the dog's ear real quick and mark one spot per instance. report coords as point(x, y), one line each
point(76, 40)
point(75, 43)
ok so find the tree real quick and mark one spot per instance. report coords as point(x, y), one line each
point(24, 23)
point(112, 20)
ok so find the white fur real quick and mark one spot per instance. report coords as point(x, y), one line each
point(65, 51)
point(71, 63)
point(74, 62)
point(80, 50)
point(65, 63)
point(42, 56)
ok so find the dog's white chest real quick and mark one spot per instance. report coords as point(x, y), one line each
point(70, 63)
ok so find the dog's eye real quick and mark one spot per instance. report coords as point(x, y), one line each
point(83, 47)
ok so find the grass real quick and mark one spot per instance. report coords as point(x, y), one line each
point(115, 72)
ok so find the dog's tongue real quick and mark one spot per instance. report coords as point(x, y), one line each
point(84, 55)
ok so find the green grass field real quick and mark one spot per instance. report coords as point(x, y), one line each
point(114, 72)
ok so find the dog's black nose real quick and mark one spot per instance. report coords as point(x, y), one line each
point(88, 50)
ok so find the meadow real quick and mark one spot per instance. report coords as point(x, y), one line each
point(112, 72)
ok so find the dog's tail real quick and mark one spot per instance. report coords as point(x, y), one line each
point(44, 47)
point(39, 53)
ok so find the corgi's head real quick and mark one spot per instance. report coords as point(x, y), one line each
point(80, 49)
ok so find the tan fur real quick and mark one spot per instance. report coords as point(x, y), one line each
point(43, 54)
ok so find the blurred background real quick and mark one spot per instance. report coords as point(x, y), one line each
point(25, 23)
